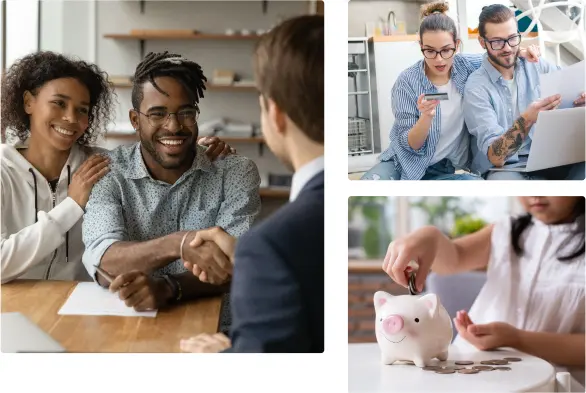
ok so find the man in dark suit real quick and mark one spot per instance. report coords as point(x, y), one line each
point(277, 290)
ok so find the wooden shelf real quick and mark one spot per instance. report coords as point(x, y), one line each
point(228, 139)
point(274, 192)
point(182, 36)
point(233, 139)
point(415, 37)
point(209, 86)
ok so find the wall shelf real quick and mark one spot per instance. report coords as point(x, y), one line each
point(275, 192)
point(178, 36)
point(228, 139)
point(209, 86)
point(183, 36)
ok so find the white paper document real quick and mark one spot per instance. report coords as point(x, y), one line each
point(88, 298)
point(569, 82)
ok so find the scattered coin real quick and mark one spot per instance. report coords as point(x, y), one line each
point(464, 362)
point(483, 368)
point(500, 362)
point(513, 359)
point(457, 367)
point(445, 371)
point(489, 362)
point(468, 371)
point(503, 368)
point(405, 362)
point(432, 368)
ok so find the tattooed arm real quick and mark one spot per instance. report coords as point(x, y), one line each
point(510, 142)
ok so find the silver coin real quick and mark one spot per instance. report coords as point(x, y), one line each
point(483, 368)
point(468, 371)
point(412, 287)
point(444, 371)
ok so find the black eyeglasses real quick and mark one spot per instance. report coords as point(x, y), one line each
point(185, 117)
point(500, 44)
point(444, 53)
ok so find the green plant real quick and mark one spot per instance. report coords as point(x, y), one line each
point(466, 225)
point(376, 237)
point(441, 210)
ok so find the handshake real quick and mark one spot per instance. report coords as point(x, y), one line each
point(209, 254)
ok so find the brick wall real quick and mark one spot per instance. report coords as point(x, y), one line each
point(364, 279)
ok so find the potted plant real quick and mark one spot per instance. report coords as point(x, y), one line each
point(376, 237)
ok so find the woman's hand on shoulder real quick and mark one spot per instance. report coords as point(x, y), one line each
point(86, 176)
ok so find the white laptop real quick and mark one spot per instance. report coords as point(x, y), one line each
point(558, 139)
point(19, 334)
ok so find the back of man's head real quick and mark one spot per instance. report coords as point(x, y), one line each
point(289, 68)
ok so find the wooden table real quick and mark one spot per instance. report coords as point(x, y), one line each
point(40, 301)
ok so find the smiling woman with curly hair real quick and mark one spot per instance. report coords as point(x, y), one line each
point(56, 106)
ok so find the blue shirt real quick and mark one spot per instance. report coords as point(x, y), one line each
point(488, 110)
point(129, 205)
point(410, 84)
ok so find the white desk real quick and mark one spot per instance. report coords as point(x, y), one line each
point(366, 373)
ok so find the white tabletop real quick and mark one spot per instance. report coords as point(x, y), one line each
point(366, 373)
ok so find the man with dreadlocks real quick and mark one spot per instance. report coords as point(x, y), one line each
point(142, 216)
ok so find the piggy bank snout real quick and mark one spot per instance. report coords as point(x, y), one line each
point(393, 324)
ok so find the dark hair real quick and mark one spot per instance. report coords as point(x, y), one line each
point(185, 71)
point(495, 13)
point(434, 18)
point(289, 69)
point(521, 223)
point(31, 72)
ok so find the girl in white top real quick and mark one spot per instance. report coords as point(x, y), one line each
point(533, 299)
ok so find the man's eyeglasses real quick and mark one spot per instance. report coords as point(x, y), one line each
point(500, 44)
point(444, 53)
point(185, 117)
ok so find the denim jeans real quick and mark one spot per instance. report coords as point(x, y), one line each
point(565, 172)
point(443, 170)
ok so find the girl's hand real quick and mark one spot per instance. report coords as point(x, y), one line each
point(88, 174)
point(531, 53)
point(427, 108)
point(419, 246)
point(487, 336)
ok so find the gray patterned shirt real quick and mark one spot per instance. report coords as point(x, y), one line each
point(129, 205)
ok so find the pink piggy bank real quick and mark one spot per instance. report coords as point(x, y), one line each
point(416, 328)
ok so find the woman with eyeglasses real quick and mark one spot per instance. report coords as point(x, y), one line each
point(55, 107)
point(429, 139)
